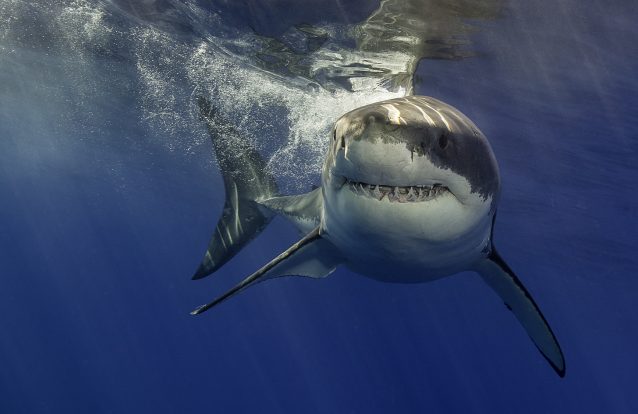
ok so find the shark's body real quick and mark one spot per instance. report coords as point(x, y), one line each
point(409, 194)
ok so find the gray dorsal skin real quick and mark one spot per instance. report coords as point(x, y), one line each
point(409, 193)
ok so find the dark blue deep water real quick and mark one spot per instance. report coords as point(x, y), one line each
point(109, 193)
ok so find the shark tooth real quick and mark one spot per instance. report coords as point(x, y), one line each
point(377, 193)
point(411, 196)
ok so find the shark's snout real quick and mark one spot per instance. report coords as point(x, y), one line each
point(390, 162)
point(411, 142)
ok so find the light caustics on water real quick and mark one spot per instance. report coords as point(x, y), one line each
point(282, 94)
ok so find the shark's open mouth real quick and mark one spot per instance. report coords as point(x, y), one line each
point(414, 193)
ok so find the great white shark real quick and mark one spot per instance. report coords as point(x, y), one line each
point(409, 193)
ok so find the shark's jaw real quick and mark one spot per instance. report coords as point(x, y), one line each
point(398, 194)
point(407, 233)
point(429, 210)
point(403, 233)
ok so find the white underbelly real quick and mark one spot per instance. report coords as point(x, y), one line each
point(407, 243)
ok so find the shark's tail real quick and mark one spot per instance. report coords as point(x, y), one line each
point(245, 181)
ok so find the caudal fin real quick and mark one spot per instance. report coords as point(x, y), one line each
point(245, 181)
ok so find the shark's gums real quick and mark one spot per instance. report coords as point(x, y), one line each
point(409, 192)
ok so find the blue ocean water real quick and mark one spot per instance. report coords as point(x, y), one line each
point(109, 193)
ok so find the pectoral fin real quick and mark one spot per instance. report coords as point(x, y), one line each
point(497, 274)
point(312, 256)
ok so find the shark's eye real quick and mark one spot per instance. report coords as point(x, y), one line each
point(334, 135)
point(443, 141)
